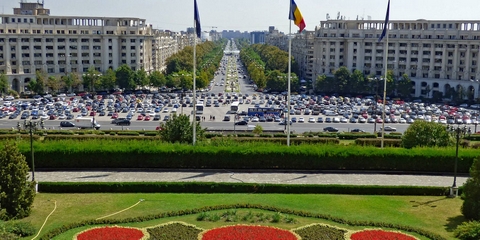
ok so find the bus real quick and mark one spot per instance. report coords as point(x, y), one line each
point(234, 107)
point(199, 107)
point(264, 111)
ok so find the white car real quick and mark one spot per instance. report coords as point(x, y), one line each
point(311, 120)
point(166, 110)
point(402, 120)
point(255, 119)
point(301, 120)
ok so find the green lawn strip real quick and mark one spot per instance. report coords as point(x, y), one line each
point(435, 214)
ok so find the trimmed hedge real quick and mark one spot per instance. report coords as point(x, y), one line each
point(349, 136)
point(473, 137)
point(212, 187)
point(377, 142)
point(283, 141)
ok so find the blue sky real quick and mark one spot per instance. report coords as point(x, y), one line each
point(253, 15)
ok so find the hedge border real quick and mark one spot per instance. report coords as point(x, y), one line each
point(221, 187)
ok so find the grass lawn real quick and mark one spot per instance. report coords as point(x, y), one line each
point(432, 213)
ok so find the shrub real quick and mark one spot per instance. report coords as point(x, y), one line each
point(22, 229)
point(378, 142)
point(471, 194)
point(128, 133)
point(468, 231)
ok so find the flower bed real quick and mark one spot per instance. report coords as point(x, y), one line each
point(174, 231)
point(111, 233)
point(247, 232)
point(314, 231)
point(380, 235)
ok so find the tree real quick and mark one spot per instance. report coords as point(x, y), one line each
point(16, 192)
point(40, 79)
point(4, 86)
point(471, 193)
point(426, 134)
point(404, 86)
point(91, 78)
point(54, 83)
point(342, 79)
point(179, 129)
point(108, 80)
point(141, 78)
point(257, 130)
point(125, 77)
point(157, 79)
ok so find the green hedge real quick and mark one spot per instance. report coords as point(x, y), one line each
point(283, 141)
point(209, 187)
point(377, 142)
point(349, 136)
point(473, 137)
point(250, 153)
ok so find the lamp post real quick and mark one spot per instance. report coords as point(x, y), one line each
point(458, 131)
point(31, 127)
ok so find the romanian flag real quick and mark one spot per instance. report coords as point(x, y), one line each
point(296, 16)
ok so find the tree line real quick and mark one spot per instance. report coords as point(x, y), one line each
point(267, 66)
point(178, 74)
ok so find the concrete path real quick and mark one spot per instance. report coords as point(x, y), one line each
point(122, 175)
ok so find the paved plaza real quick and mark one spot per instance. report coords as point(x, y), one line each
point(273, 177)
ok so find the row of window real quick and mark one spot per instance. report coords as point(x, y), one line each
point(438, 36)
point(72, 40)
point(51, 31)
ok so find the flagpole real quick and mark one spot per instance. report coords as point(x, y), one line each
point(289, 76)
point(385, 27)
point(194, 82)
point(384, 87)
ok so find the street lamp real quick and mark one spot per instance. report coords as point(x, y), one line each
point(31, 127)
point(458, 131)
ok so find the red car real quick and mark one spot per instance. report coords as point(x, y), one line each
point(140, 117)
point(114, 115)
point(147, 118)
point(93, 113)
point(53, 117)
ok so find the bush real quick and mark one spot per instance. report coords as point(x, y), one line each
point(468, 231)
point(209, 187)
point(471, 194)
point(266, 135)
point(128, 133)
point(378, 142)
point(347, 136)
point(22, 229)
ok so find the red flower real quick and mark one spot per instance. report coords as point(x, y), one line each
point(111, 233)
point(245, 232)
point(380, 235)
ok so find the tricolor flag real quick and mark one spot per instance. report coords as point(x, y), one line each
point(384, 32)
point(296, 16)
point(197, 20)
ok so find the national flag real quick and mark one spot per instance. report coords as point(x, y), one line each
point(384, 32)
point(197, 20)
point(296, 16)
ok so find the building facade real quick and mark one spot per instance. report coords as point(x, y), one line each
point(31, 40)
point(436, 55)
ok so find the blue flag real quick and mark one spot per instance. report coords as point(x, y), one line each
point(384, 32)
point(197, 20)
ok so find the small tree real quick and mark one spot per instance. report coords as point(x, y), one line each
point(16, 192)
point(4, 86)
point(471, 193)
point(180, 129)
point(258, 130)
point(426, 134)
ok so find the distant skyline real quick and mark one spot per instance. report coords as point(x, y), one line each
point(255, 15)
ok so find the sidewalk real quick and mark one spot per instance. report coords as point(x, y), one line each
point(122, 175)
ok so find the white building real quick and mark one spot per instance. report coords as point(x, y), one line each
point(436, 55)
point(31, 40)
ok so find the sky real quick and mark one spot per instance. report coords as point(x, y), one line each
point(256, 15)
